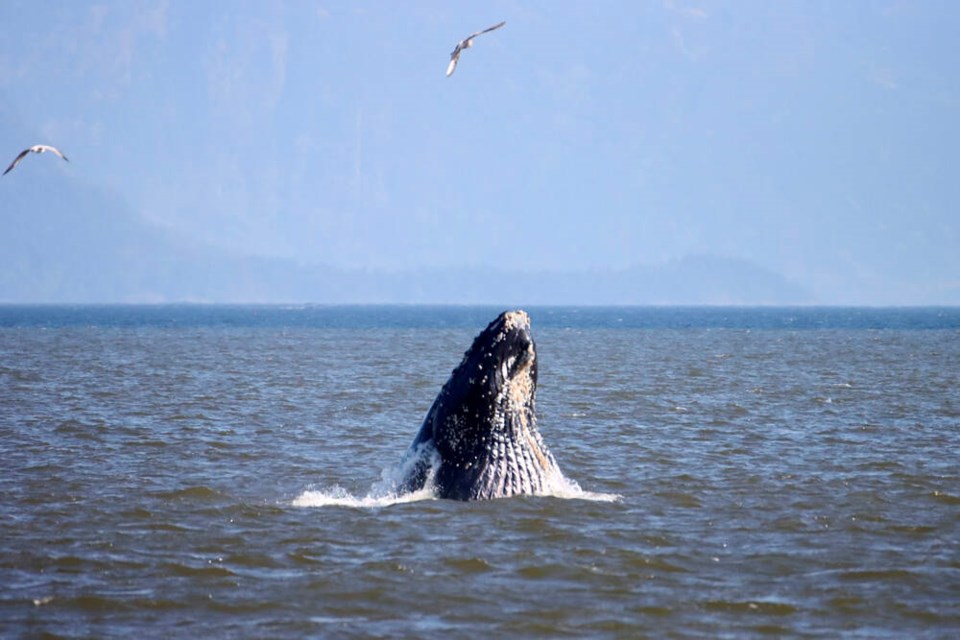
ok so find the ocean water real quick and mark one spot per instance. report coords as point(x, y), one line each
point(220, 471)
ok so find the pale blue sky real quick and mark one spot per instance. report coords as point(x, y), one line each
point(815, 139)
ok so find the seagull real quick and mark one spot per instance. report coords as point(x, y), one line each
point(466, 43)
point(37, 148)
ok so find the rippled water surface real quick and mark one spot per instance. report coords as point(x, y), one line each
point(178, 471)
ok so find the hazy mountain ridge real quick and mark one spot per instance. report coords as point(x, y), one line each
point(76, 243)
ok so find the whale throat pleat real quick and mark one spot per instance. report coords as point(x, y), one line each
point(517, 464)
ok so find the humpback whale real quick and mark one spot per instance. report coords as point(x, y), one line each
point(480, 438)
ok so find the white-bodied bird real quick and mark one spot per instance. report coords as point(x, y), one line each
point(466, 43)
point(37, 148)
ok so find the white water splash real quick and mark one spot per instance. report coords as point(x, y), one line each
point(566, 489)
point(384, 493)
point(339, 497)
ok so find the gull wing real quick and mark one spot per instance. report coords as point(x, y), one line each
point(454, 58)
point(16, 161)
point(494, 27)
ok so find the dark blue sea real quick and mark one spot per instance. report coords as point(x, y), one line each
point(220, 471)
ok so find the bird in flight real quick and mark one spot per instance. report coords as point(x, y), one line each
point(466, 43)
point(37, 148)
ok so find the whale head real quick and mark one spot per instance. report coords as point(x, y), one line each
point(482, 425)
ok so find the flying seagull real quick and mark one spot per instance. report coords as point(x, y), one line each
point(466, 43)
point(37, 148)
